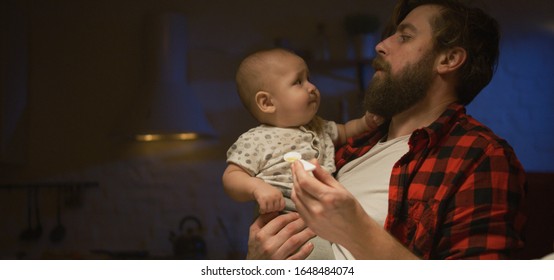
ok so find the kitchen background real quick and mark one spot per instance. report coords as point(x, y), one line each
point(76, 83)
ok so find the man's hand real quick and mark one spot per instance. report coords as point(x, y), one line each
point(326, 206)
point(334, 214)
point(279, 237)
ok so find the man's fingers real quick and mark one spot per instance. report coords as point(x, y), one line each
point(275, 222)
point(296, 235)
point(303, 252)
point(299, 176)
point(325, 177)
point(313, 185)
point(262, 220)
point(288, 233)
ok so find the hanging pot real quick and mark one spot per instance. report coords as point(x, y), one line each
point(189, 244)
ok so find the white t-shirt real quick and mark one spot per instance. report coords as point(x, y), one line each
point(371, 187)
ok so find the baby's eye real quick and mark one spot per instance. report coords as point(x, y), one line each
point(298, 82)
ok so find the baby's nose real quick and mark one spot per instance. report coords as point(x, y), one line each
point(313, 89)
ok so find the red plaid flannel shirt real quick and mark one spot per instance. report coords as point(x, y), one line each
point(457, 194)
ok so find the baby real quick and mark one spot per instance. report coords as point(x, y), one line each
point(274, 86)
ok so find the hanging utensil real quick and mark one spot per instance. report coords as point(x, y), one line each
point(27, 233)
point(58, 233)
point(38, 228)
point(32, 233)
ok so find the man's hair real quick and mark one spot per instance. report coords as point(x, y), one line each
point(459, 25)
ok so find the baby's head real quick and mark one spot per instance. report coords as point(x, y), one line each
point(274, 86)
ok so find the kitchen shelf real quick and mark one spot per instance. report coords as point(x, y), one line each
point(40, 185)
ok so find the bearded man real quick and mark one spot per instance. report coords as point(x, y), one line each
point(432, 182)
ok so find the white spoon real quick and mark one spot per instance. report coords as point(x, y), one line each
point(294, 156)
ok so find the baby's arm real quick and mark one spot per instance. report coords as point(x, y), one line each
point(240, 186)
point(358, 126)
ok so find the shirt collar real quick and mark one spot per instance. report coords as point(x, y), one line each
point(429, 136)
point(423, 137)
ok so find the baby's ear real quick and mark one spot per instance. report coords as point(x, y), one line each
point(264, 102)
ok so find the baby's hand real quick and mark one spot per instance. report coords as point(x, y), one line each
point(373, 121)
point(269, 198)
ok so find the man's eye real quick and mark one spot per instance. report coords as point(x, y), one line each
point(404, 38)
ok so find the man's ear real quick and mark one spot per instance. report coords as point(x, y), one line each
point(264, 102)
point(451, 60)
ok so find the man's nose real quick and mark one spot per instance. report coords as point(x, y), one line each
point(380, 48)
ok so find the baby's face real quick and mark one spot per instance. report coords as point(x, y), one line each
point(296, 99)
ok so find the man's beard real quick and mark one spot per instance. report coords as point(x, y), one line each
point(387, 96)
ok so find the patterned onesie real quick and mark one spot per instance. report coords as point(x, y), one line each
point(260, 152)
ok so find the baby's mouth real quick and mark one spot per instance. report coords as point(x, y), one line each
point(313, 99)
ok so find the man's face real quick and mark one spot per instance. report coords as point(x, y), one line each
point(404, 67)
